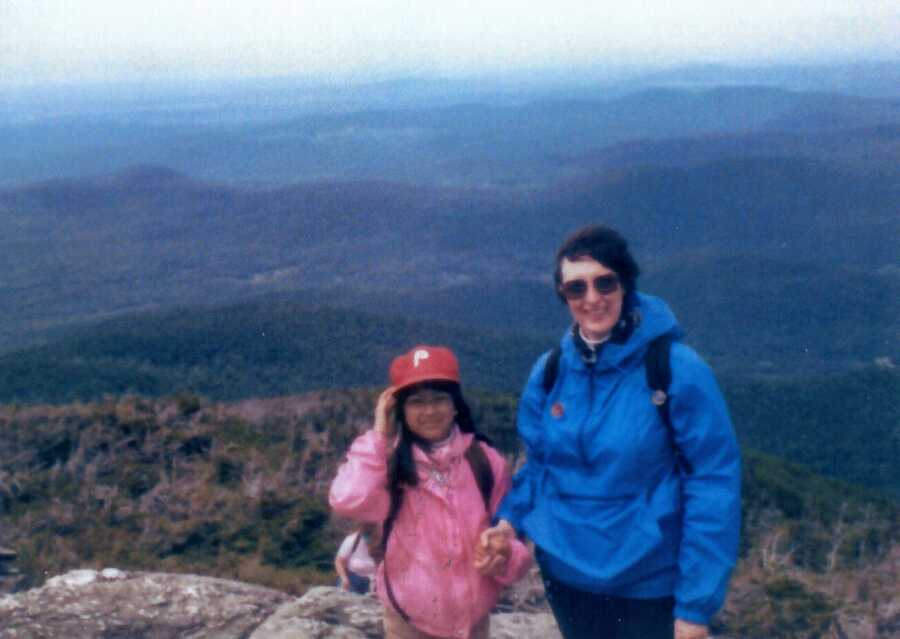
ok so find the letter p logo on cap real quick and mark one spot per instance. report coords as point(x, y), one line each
point(424, 363)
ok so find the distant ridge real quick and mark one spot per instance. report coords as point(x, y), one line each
point(146, 175)
point(864, 147)
point(479, 138)
point(152, 238)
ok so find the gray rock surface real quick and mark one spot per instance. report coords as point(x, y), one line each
point(329, 613)
point(112, 604)
point(324, 613)
point(524, 625)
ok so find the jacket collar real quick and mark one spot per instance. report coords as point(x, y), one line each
point(644, 318)
point(456, 447)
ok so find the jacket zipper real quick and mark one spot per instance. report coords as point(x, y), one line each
point(582, 448)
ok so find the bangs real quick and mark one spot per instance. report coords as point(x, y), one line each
point(441, 385)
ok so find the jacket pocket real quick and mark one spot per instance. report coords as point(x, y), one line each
point(605, 539)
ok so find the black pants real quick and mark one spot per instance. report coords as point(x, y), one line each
point(587, 615)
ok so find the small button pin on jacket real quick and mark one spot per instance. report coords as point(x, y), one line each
point(557, 410)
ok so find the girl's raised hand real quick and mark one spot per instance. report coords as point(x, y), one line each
point(384, 413)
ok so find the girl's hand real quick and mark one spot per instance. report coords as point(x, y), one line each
point(384, 413)
point(493, 550)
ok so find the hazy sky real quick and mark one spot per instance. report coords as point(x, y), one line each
point(91, 40)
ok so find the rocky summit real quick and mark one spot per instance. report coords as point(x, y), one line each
point(114, 604)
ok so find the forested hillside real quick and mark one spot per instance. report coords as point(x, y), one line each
point(845, 425)
point(262, 349)
point(841, 424)
point(184, 485)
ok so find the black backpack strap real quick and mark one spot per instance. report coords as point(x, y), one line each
point(658, 366)
point(392, 597)
point(659, 373)
point(388, 525)
point(393, 510)
point(551, 370)
point(481, 469)
point(356, 542)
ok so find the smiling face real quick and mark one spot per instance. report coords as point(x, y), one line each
point(595, 313)
point(429, 414)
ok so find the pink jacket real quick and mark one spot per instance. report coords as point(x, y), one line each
point(431, 549)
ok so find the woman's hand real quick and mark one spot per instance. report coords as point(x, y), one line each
point(687, 630)
point(384, 413)
point(493, 549)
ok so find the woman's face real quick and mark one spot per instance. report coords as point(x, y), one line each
point(594, 295)
point(430, 414)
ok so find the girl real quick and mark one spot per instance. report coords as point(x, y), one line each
point(433, 484)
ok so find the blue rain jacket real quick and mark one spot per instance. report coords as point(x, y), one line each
point(601, 494)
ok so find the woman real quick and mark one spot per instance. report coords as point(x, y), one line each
point(635, 521)
point(425, 475)
point(353, 562)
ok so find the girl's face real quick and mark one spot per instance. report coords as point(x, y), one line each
point(430, 414)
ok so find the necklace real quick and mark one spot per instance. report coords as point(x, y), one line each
point(438, 476)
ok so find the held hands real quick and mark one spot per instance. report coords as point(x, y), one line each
point(384, 413)
point(687, 630)
point(493, 549)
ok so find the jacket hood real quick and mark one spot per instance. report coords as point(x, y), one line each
point(645, 318)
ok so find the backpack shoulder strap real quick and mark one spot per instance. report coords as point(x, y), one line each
point(481, 469)
point(356, 541)
point(396, 500)
point(551, 370)
point(659, 373)
point(658, 366)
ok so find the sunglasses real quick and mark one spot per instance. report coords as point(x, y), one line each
point(577, 289)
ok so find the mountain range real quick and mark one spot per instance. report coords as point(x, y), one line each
point(202, 287)
point(811, 244)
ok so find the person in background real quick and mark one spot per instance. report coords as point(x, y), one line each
point(353, 563)
point(433, 484)
point(630, 494)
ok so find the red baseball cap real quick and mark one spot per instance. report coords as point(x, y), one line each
point(424, 363)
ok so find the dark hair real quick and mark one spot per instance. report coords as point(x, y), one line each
point(402, 466)
point(604, 245)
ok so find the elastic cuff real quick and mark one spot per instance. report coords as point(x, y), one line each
point(694, 616)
